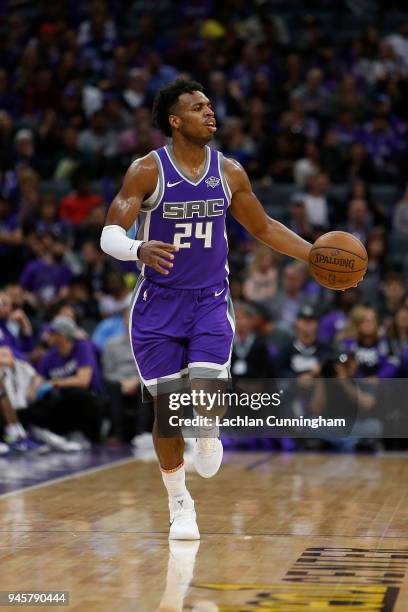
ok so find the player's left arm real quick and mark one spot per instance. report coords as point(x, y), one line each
point(248, 210)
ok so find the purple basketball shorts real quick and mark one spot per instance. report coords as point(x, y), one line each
point(180, 333)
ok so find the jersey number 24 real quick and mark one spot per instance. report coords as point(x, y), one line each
point(203, 231)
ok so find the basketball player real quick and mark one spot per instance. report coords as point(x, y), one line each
point(181, 321)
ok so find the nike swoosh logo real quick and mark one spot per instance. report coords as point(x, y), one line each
point(174, 184)
point(217, 293)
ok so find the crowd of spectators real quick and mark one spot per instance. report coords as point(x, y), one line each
point(313, 106)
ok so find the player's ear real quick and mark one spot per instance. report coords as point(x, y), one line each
point(174, 121)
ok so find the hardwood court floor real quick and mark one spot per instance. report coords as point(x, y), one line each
point(279, 532)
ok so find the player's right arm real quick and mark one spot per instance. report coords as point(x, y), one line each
point(139, 182)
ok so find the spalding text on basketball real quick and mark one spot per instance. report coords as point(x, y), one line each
point(335, 261)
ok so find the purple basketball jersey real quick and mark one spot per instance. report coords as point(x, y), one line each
point(191, 215)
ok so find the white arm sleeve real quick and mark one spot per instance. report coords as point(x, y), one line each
point(114, 242)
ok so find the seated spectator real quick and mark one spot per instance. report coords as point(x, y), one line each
point(376, 250)
point(398, 332)
point(69, 157)
point(225, 104)
point(332, 157)
point(333, 323)
point(384, 147)
point(345, 129)
point(235, 142)
point(287, 302)
point(121, 376)
point(307, 166)
point(136, 91)
point(360, 189)
point(46, 276)
point(115, 295)
point(316, 202)
point(261, 281)
point(48, 221)
point(99, 140)
point(347, 97)
point(343, 399)
point(159, 72)
point(399, 43)
point(277, 155)
point(73, 402)
point(313, 92)
point(392, 297)
point(140, 139)
point(299, 222)
point(19, 383)
point(371, 348)
point(118, 362)
point(117, 117)
point(77, 205)
point(400, 218)
point(28, 194)
point(303, 355)
point(250, 357)
point(25, 154)
point(16, 331)
point(298, 122)
point(96, 266)
point(359, 221)
point(359, 164)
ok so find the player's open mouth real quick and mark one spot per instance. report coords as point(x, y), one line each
point(211, 124)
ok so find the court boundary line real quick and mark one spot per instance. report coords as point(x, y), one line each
point(58, 479)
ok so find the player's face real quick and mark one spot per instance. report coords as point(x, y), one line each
point(194, 117)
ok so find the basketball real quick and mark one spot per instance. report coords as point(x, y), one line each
point(338, 260)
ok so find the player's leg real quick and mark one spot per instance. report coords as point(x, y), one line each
point(209, 355)
point(160, 358)
point(169, 448)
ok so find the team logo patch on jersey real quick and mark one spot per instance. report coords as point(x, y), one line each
point(212, 181)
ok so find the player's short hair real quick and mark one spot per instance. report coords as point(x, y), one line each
point(166, 99)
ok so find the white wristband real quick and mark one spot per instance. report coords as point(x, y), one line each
point(114, 242)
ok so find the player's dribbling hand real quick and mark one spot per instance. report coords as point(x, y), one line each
point(158, 255)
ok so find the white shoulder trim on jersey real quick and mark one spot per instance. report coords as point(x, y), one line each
point(155, 198)
point(224, 181)
point(152, 198)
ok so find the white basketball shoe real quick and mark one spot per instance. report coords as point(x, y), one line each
point(183, 521)
point(208, 454)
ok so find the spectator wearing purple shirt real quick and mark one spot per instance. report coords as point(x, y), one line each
point(45, 276)
point(335, 320)
point(71, 368)
point(345, 129)
point(371, 350)
point(384, 146)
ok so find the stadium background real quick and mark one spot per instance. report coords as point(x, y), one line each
point(310, 97)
